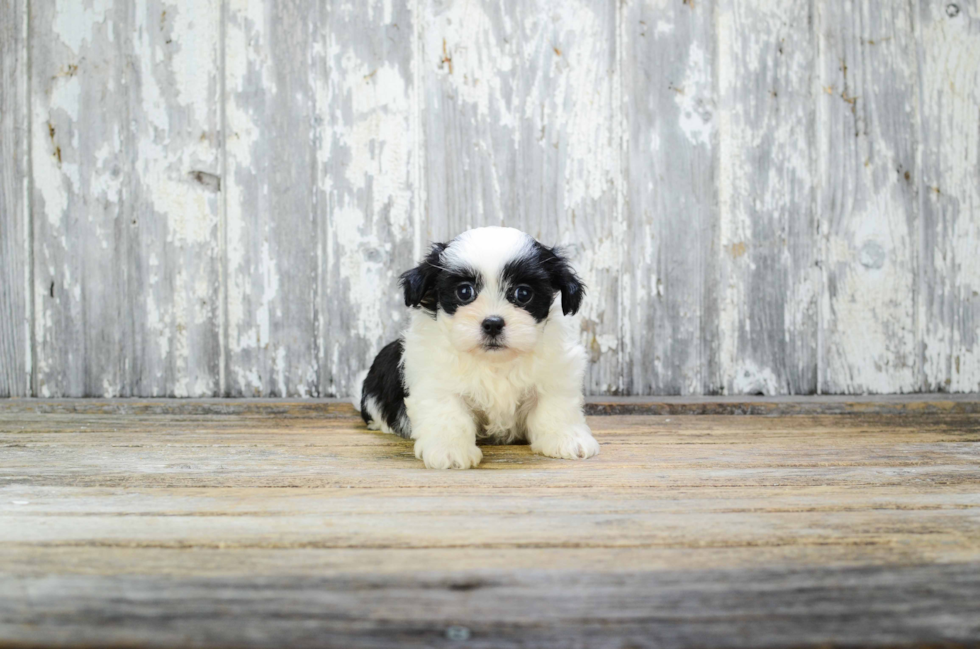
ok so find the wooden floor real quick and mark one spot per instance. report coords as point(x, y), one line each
point(244, 524)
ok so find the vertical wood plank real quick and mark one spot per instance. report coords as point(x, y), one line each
point(83, 225)
point(670, 94)
point(125, 170)
point(15, 311)
point(176, 196)
point(472, 100)
point(523, 128)
point(368, 203)
point(761, 312)
point(949, 296)
point(271, 230)
point(868, 197)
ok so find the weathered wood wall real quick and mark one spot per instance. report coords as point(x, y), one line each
point(215, 197)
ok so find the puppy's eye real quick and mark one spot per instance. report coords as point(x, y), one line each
point(523, 294)
point(465, 293)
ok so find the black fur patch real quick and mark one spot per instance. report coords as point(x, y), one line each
point(446, 285)
point(419, 284)
point(385, 384)
point(545, 272)
point(529, 272)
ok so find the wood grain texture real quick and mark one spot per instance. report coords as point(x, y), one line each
point(176, 197)
point(669, 54)
point(253, 530)
point(868, 197)
point(271, 231)
point(83, 227)
point(125, 174)
point(15, 250)
point(764, 286)
point(216, 198)
point(850, 607)
point(522, 128)
point(949, 194)
point(368, 160)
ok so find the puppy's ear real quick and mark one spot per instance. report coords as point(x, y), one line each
point(564, 279)
point(419, 283)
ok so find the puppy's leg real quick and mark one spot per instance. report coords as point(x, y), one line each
point(556, 427)
point(444, 432)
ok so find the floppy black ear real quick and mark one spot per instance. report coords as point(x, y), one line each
point(564, 279)
point(419, 283)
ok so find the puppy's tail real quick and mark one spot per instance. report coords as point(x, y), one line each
point(357, 389)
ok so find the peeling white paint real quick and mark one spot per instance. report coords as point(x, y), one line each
point(378, 139)
point(869, 223)
point(110, 390)
point(694, 98)
point(192, 31)
point(767, 287)
point(874, 346)
point(460, 41)
point(75, 20)
point(749, 378)
point(243, 135)
point(270, 290)
point(48, 181)
point(950, 78)
point(607, 342)
point(534, 96)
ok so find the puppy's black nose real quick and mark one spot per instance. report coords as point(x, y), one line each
point(493, 325)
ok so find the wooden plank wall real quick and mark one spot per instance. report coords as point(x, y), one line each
point(15, 311)
point(215, 198)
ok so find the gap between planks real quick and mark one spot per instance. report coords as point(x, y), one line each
point(960, 404)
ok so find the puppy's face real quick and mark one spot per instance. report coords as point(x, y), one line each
point(492, 290)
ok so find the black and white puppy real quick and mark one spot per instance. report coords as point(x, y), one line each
point(492, 354)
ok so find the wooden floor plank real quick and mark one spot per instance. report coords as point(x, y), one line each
point(292, 525)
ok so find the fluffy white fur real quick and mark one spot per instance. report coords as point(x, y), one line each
point(460, 393)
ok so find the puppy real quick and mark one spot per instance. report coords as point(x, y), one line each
point(491, 355)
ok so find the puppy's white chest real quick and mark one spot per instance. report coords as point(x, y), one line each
point(500, 406)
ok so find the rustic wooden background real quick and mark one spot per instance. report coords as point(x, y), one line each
point(215, 197)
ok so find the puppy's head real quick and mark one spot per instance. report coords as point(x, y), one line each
point(492, 289)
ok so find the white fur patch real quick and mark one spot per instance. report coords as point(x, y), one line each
point(487, 250)
point(378, 422)
point(464, 331)
point(373, 411)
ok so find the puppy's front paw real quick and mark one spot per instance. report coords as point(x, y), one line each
point(447, 454)
point(573, 443)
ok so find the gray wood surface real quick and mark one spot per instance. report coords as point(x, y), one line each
point(216, 198)
point(271, 223)
point(126, 173)
point(262, 522)
point(369, 160)
point(764, 286)
point(869, 197)
point(669, 68)
point(15, 256)
point(915, 606)
point(948, 40)
point(84, 213)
